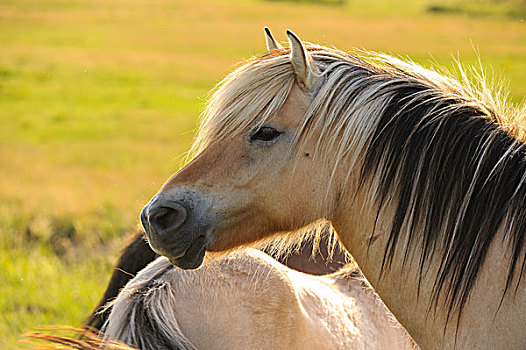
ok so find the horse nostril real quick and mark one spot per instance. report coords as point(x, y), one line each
point(166, 217)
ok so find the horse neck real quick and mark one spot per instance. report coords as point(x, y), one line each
point(406, 282)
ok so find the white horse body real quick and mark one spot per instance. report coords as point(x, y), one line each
point(250, 301)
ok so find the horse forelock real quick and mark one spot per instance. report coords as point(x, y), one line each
point(439, 149)
point(249, 95)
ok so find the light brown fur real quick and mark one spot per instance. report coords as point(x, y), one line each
point(248, 300)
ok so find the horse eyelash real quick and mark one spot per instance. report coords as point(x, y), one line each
point(252, 138)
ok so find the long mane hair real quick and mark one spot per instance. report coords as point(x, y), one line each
point(147, 316)
point(436, 148)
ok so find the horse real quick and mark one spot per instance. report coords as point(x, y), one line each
point(245, 300)
point(317, 258)
point(421, 176)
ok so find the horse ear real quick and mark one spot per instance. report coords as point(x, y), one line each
point(304, 67)
point(272, 44)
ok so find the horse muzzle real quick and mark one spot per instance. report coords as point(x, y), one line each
point(178, 228)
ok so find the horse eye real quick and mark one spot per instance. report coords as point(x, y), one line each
point(265, 133)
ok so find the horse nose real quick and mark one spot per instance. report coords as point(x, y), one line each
point(161, 218)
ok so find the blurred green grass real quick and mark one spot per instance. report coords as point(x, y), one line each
point(99, 100)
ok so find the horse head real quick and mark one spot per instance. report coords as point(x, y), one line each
point(249, 138)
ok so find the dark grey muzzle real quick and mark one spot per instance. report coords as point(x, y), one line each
point(178, 228)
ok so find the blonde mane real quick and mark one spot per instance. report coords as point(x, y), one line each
point(257, 89)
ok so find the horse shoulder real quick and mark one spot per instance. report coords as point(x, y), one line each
point(241, 301)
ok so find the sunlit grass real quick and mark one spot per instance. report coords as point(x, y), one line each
point(99, 100)
point(39, 288)
point(51, 268)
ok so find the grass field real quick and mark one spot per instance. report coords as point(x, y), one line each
point(99, 101)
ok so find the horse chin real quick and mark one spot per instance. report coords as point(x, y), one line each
point(193, 256)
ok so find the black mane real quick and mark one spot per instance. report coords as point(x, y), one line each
point(459, 177)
